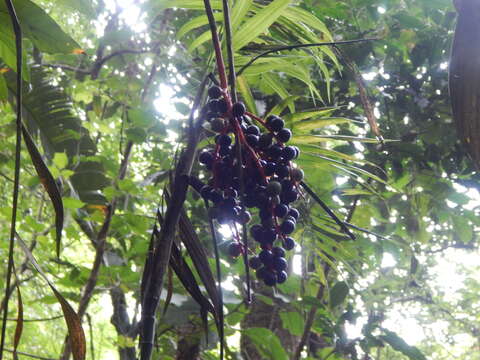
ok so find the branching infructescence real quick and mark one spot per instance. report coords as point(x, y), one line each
point(270, 181)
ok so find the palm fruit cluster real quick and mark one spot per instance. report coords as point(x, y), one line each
point(270, 182)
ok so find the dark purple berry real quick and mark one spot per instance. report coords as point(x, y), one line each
point(235, 249)
point(215, 196)
point(215, 92)
point(294, 213)
point(274, 188)
point(284, 135)
point(270, 118)
point(222, 106)
point(261, 273)
point(297, 152)
point(290, 196)
point(287, 227)
point(255, 262)
point(265, 141)
point(289, 244)
point(269, 235)
point(266, 256)
point(213, 106)
point(252, 129)
point(281, 210)
point(297, 174)
point(238, 109)
point(281, 277)
point(282, 171)
point(279, 263)
point(287, 185)
point(291, 218)
point(257, 232)
point(277, 124)
point(252, 140)
point(225, 150)
point(275, 151)
point(270, 278)
point(269, 168)
point(278, 251)
point(223, 140)
point(289, 153)
point(244, 217)
point(205, 157)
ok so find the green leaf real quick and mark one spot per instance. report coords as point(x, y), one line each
point(136, 134)
point(400, 345)
point(267, 343)
point(195, 23)
point(259, 23)
point(240, 10)
point(8, 52)
point(3, 89)
point(60, 160)
point(74, 324)
point(298, 14)
point(199, 40)
point(287, 102)
point(293, 322)
point(246, 94)
point(338, 293)
point(39, 27)
point(276, 86)
point(83, 6)
point(48, 183)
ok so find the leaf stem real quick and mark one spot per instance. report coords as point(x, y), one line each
point(216, 45)
point(300, 46)
point(18, 147)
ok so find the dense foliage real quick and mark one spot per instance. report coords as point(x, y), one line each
point(108, 91)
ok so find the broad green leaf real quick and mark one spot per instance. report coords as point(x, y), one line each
point(308, 139)
point(307, 114)
point(338, 294)
point(239, 12)
point(83, 6)
point(272, 81)
point(259, 23)
point(352, 192)
point(8, 51)
point(60, 160)
point(277, 109)
point(400, 345)
point(298, 14)
point(308, 125)
point(267, 343)
point(293, 322)
point(39, 27)
point(153, 8)
point(199, 40)
point(195, 23)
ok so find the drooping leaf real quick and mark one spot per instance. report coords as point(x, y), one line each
point(40, 28)
point(400, 345)
point(49, 184)
point(338, 293)
point(293, 322)
point(267, 343)
point(259, 23)
point(74, 325)
point(19, 321)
